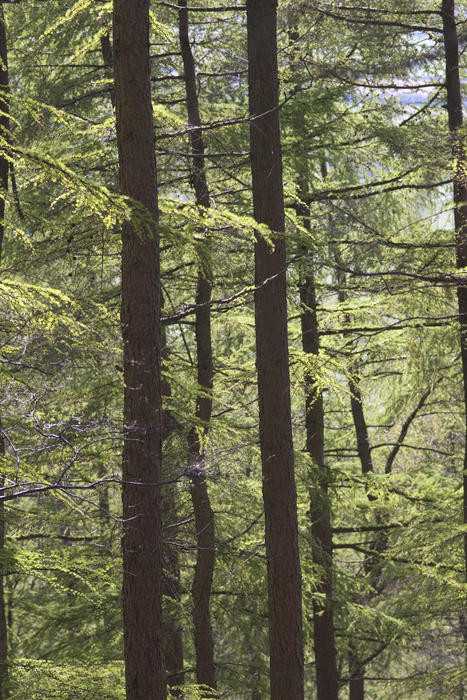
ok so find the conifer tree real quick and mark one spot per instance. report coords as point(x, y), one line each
point(140, 312)
point(204, 516)
point(279, 491)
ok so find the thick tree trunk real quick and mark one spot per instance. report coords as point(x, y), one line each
point(140, 310)
point(204, 516)
point(4, 169)
point(279, 493)
point(323, 620)
point(455, 115)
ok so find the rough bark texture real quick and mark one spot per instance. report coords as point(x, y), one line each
point(204, 516)
point(455, 115)
point(140, 310)
point(323, 619)
point(283, 563)
point(4, 130)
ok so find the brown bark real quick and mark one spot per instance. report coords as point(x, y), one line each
point(323, 619)
point(361, 430)
point(356, 677)
point(279, 493)
point(356, 670)
point(140, 311)
point(172, 632)
point(204, 516)
point(107, 55)
point(4, 169)
point(455, 115)
point(320, 510)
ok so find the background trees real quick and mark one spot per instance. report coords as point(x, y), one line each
point(367, 171)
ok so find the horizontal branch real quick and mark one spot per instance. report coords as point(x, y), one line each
point(382, 23)
point(222, 8)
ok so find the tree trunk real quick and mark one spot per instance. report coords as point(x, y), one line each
point(107, 55)
point(204, 516)
point(320, 510)
point(356, 670)
point(4, 169)
point(279, 493)
point(140, 311)
point(172, 631)
point(321, 530)
point(356, 677)
point(454, 105)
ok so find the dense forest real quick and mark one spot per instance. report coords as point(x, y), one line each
point(233, 318)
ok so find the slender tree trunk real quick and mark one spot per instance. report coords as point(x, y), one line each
point(279, 493)
point(356, 670)
point(3, 613)
point(320, 509)
point(107, 55)
point(455, 115)
point(204, 516)
point(140, 311)
point(4, 169)
point(357, 679)
point(323, 619)
point(172, 632)
point(379, 543)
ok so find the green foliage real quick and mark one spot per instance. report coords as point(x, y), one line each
point(369, 166)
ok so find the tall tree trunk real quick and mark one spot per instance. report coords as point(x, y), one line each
point(455, 115)
point(204, 516)
point(140, 311)
point(172, 631)
point(4, 169)
point(321, 530)
point(272, 360)
point(356, 670)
